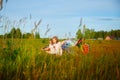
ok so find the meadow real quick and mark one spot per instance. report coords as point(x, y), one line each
point(23, 59)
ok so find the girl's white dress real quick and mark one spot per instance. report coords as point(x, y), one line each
point(56, 48)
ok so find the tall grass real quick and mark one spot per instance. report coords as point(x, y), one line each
point(25, 61)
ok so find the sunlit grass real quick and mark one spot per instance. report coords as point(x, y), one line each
point(24, 60)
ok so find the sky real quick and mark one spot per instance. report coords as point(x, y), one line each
point(63, 16)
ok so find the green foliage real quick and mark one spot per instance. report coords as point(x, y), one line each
point(14, 33)
point(37, 35)
point(91, 34)
point(18, 33)
point(26, 36)
point(87, 33)
point(1, 36)
point(79, 34)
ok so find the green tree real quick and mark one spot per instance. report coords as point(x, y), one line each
point(18, 33)
point(79, 34)
point(13, 33)
point(105, 32)
point(102, 34)
point(117, 34)
point(1, 36)
point(92, 33)
point(87, 33)
point(27, 35)
point(37, 35)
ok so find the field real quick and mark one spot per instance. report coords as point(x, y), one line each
point(22, 59)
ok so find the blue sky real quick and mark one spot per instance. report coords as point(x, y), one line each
point(63, 16)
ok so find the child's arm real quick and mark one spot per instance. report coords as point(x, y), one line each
point(46, 48)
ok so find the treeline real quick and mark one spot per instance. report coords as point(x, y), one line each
point(104, 34)
point(17, 33)
point(92, 34)
point(88, 34)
